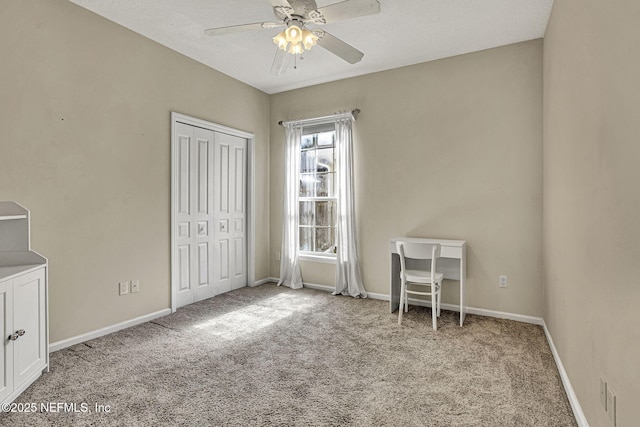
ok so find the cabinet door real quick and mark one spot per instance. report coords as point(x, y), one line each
point(6, 329)
point(29, 352)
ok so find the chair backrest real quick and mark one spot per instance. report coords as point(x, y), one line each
point(418, 251)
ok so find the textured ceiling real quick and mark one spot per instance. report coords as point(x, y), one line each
point(405, 32)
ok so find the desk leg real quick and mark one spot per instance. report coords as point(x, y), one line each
point(394, 283)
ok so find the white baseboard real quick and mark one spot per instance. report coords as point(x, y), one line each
point(499, 314)
point(568, 388)
point(319, 287)
point(265, 280)
point(59, 345)
point(451, 307)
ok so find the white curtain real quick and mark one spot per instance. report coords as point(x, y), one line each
point(348, 277)
point(289, 265)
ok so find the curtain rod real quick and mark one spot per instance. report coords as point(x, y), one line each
point(354, 113)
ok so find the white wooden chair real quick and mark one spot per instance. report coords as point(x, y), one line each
point(430, 279)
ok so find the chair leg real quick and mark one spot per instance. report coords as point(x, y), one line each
point(434, 309)
point(439, 298)
point(406, 299)
point(402, 298)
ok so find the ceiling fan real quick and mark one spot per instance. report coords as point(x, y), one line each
point(296, 38)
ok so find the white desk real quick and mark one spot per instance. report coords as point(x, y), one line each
point(452, 263)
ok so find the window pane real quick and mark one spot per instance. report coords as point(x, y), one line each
point(325, 213)
point(307, 184)
point(324, 160)
point(317, 180)
point(307, 141)
point(306, 239)
point(324, 240)
point(308, 161)
point(324, 185)
point(326, 138)
point(306, 213)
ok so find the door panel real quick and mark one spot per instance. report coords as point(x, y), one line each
point(203, 177)
point(239, 193)
point(183, 175)
point(184, 261)
point(203, 263)
point(238, 244)
point(223, 263)
point(30, 349)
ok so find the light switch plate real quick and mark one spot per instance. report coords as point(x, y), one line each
point(124, 288)
point(503, 281)
point(603, 393)
point(135, 286)
point(611, 405)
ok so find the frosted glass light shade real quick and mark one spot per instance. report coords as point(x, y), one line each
point(295, 40)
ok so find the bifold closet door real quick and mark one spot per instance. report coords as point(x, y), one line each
point(194, 214)
point(230, 207)
point(210, 221)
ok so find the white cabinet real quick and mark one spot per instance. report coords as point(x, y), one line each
point(23, 305)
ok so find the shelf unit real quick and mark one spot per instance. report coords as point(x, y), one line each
point(23, 304)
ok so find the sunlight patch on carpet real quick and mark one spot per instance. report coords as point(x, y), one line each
point(255, 317)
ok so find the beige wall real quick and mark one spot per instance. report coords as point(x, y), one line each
point(592, 199)
point(85, 144)
point(448, 149)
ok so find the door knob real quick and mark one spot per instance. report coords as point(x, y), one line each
point(17, 334)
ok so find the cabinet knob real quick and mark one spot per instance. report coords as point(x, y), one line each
point(17, 334)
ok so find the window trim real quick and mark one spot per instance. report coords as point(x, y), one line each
point(325, 258)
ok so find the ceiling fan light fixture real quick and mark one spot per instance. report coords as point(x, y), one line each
point(281, 40)
point(309, 39)
point(295, 39)
point(293, 34)
point(296, 49)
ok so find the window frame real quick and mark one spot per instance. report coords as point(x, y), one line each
point(322, 257)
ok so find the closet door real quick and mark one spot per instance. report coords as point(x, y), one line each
point(230, 209)
point(194, 214)
point(209, 253)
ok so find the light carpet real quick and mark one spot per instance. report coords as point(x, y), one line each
point(273, 356)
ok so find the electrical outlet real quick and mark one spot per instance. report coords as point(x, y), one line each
point(124, 288)
point(611, 405)
point(603, 393)
point(503, 281)
point(277, 255)
point(135, 286)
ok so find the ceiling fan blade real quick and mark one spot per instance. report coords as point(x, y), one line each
point(241, 28)
point(348, 9)
point(280, 62)
point(284, 3)
point(338, 47)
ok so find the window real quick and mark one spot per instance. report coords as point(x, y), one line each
point(318, 203)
